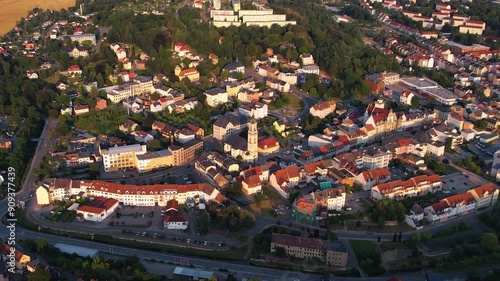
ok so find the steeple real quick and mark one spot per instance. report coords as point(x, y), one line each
point(253, 138)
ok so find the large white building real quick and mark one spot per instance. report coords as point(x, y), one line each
point(135, 157)
point(451, 207)
point(129, 195)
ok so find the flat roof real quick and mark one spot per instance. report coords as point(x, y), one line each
point(125, 148)
point(81, 251)
point(419, 83)
point(192, 272)
point(441, 93)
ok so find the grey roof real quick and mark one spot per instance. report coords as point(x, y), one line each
point(237, 142)
point(233, 66)
point(81, 251)
point(336, 246)
point(191, 272)
point(215, 91)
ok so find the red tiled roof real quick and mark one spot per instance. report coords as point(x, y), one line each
point(6, 249)
point(172, 204)
point(405, 142)
point(188, 71)
point(284, 175)
point(311, 168)
point(98, 205)
point(376, 174)
point(483, 189)
point(463, 198)
point(252, 181)
point(252, 171)
point(268, 143)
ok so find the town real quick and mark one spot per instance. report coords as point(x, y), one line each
point(240, 140)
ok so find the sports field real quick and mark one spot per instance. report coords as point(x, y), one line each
point(12, 10)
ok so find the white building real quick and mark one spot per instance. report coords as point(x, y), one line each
point(451, 207)
point(216, 96)
point(98, 209)
point(256, 110)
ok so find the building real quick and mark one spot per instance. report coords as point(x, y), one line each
point(20, 261)
point(139, 86)
point(80, 38)
point(77, 51)
point(485, 195)
point(277, 84)
point(227, 125)
point(186, 152)
point(5, 143)
point(128, 195)
point(150, 161)
point(451, 207)
point(370, 178)
point(495, 166)
point(173, 218)
point(431, 88)
point(307, 59)
point(246, 150)
point(256, 110)
point(128, 127)
point(191, 73)
point(251, 185)
point(331, 199)
point(331, 252)
point(98, 209)
point(216, 96)
point(322, 109)
point(121, 157)
point(398, 189)
point(406, 97)
point(285, 179)
point(456, 120)
point(235, 67)
point(267, 146)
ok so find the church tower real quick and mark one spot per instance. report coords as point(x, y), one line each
point(253, 138)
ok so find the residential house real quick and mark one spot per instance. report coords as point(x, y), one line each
point(285, 179)
point(191, 73)
point(5, 143)
point(322, 109)
point(198, 132)
point(80, 109)
point(74, 70)
point(77, 51)
point(398, 189)
point(142, 137)
point(100, 104)
point(256, 110)
point(485, 195)
point(279, 85)
point(451, 207)
point(406, 97)
point(251, 185)
point(370, 178)
point(21, 259)
point(456, 120)
point(128, 127)
point(235, 67)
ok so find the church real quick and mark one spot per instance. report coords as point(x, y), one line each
point(246, 149)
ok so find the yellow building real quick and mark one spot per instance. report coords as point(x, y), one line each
point(279, 126)
point(236, 5)
point(191, 73)
point(121, 157)
point(154, 160)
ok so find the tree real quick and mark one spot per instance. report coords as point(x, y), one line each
point(481, 124)
point(40, 274)
point(231, 277)
point(379, 238)
point(400, 237)
point(41, 245)
point(203, 222)
point(489, 242)
point(294, 194)
point(415, 101)
point(154, 144)
point(234, 188)
point(280, 251)
point(448, 143)
point(395, 237)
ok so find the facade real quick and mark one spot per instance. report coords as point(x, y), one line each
point(216, 96)
point(279, 85)
point(285, 179)
point(451, 207)
point(186, 152)
point(370, 178)
point(251, 185)
point(485, 195)
point(227, 125)
point(98, 209)
point(129, 195)
point(256, 110)
point(247, 150)
point(173, 218)
point(191, 73)
point(332, 252)
point(322, 109)
point(416, 186)
point(154, 160)
point(121, 157)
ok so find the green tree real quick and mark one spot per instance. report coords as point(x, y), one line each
point(415, 101)
point(154, 144)
point(280, 251)
point(41, 245)
point(40, 274)
point(481, 124)
point(489, 242)
point(294, 194)
point(202, 222)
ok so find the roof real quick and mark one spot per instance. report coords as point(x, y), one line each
point(6, 249)
point(173, 215)
point(459, 199)
point(284, 175)
point(80, 251)
point(392, 186)
point(98, 205)
point(324, 105)
point(191, 272)
point(188, 71)
point(172, 204)
point(486, 189)
point(252, 181)
point(233, 66)
point(267, 143)
point(376, 174)
point(302, 242)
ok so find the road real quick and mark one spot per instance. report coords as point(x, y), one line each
point(42, 149)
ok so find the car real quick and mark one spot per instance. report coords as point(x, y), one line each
point(205, 243)
point(348, 208)
point(188, 241)
point(357, 200)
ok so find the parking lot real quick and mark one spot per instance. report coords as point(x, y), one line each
point(460, 182)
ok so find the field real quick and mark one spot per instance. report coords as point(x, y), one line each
point(12, 10)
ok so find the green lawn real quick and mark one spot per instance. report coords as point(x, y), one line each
point(364, 249)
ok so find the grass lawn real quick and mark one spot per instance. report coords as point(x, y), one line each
point(292, 101)
point(54, 79)
point(263, 207)
point(276, 199)
point(364, 249)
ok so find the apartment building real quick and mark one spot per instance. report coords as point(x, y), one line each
point(331, 199)
point(416, 186)
point(332, 252)
point(485, 195)
point(256, 110)
point(128, 195)
point(186, 152)
point(451, 207)
point(285, 179)
point(216, 96)
point(139, 86)
point(121, 157)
